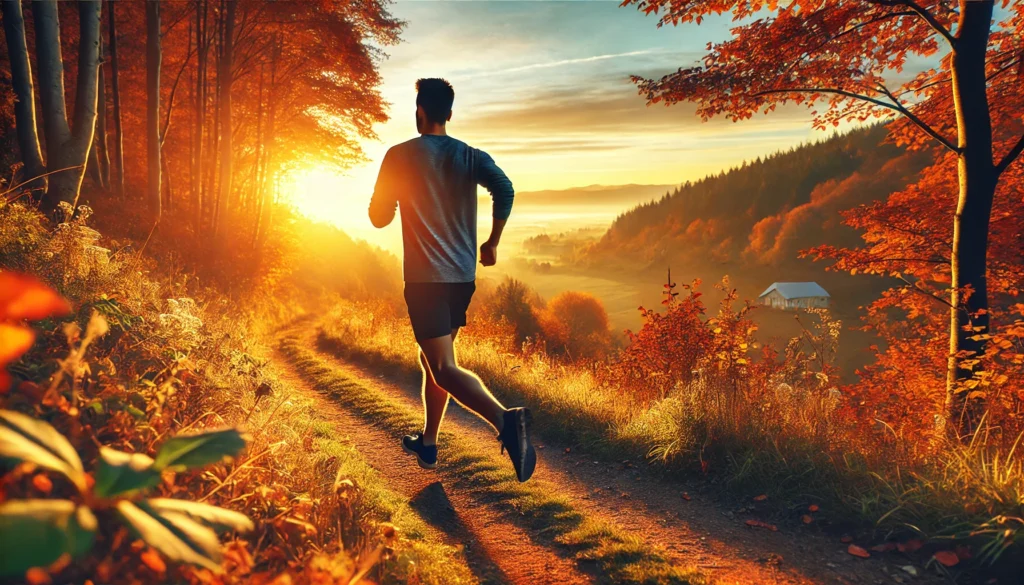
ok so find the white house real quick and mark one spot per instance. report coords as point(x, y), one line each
point(795, 295)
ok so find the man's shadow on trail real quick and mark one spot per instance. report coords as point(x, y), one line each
point(433, 505)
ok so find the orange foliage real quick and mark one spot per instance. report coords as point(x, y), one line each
point(22, 298)
point(576, 323)
point(908, 237)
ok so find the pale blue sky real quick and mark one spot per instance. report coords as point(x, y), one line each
point(544, 87)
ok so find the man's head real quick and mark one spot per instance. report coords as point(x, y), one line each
point(434, 98)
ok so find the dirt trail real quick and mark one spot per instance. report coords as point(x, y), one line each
point(497, 552)
point(696, 531)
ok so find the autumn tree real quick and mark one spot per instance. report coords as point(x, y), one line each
point(115, 94)
point(21, 79)
point(154, 55)
point(847, 58)
point(67, 144)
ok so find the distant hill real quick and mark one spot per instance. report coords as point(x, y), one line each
point(757, 217)
point(618, 196)
point(751, 222)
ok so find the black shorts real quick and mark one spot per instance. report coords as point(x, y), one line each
point(436, 308)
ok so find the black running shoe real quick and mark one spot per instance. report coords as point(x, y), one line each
point(515, 438)
point(426, 456)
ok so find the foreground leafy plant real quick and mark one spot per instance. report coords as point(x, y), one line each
point(39, 532)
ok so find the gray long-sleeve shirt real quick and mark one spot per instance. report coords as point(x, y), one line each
point(433, 180)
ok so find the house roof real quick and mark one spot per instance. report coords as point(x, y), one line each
point(797, 290)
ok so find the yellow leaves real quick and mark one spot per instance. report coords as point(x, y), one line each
point(14, 341)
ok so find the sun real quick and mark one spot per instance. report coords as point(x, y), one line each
point(326, 194)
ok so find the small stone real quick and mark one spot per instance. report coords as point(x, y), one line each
point(910, 570)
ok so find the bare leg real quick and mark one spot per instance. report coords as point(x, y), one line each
point(435, 401)
point(461, 384)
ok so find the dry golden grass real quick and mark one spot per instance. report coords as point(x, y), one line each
point(176, 359)
point(788, 442)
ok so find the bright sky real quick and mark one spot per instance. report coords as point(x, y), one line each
point(543, 86)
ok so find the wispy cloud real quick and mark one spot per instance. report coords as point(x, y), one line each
point(561, 63)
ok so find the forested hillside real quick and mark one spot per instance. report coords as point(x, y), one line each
point(755, 219)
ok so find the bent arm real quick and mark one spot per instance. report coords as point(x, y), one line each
point(385, 194)
point(492, 178)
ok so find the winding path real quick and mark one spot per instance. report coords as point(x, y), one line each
point(694, 531)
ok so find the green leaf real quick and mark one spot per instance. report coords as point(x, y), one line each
point(213, 515)
point(120, 473)
point(26, 439)
point(35, 533)
point(192, 451)
point(176, 536)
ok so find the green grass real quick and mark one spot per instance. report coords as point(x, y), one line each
point(621, 557)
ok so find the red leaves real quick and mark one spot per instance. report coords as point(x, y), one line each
point(42, 483)
point(22, 297)
point(912, 545)
point(760, 524)
point(807, 519)
point(947, 558)
point(885, 547)
point(152, 559)
point(761, 498)
point(857, 551)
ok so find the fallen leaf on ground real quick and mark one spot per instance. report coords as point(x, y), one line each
point(857, 551)
point(152, 559)
point(761, 498)
point(846, 539)
point(813, 508)
point(807, 519)
point(884, 547)
point(760, 524)
point(686, 496)
point(909, 546)
point(947, 558)
point(42, 483)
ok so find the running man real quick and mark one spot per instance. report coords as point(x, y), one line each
point(433, 179)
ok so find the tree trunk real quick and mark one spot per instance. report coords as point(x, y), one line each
point(969, 312)
point(200, 113)
point(153, 59)
point(102, 149)
point(116, 99)
point(262, 225)
point(224, 80)
point(24, 104)
point(167, 187)
point(67, 149)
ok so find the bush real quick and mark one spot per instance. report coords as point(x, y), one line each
point(515, 302)
point(576, 323)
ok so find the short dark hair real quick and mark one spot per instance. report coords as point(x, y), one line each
point(435, 96)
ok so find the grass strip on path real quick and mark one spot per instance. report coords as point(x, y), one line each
point(620, 557)
point(419, 556)
point(558, 412)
